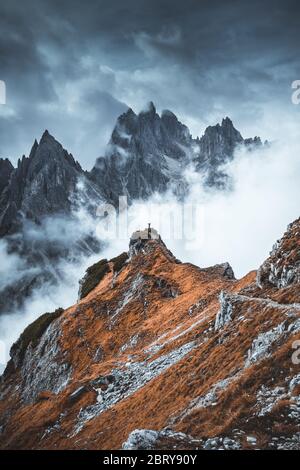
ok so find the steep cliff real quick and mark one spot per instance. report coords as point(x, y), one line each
point(41, 185)
point(149, 153)
point(6, 170)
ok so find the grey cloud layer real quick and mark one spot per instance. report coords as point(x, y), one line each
point(72, 67)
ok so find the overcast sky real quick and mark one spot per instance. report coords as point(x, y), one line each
point(72, 67)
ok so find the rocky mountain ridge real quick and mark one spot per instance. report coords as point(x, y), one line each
point(42, 184)
point(147, 153)
point(160, 354)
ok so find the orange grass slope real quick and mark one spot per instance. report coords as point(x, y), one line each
point(163, 354)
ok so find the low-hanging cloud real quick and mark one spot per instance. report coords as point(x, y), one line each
point(48, 241)
point(238, 226)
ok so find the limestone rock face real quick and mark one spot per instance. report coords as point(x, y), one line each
point(225, 312)
point(217, 147)
point(6, 170)
point(282, 268)
point(148, 152)
point(41, 184)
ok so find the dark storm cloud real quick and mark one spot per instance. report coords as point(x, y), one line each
point(72, 67)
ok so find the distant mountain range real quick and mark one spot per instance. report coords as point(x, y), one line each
point(146, 153)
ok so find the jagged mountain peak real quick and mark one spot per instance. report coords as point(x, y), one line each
point(166, 113)
point(226, 128)
point(6, 169)
point(42, 184)
point(217, 147)
point(227, 122)
point(46, 135)
point(149, 152)
point(282, 268)
point(130, 118)
point(127, 114)
point(144, 154)
point(33, 149)
point(130, 124)
point(48, 139)
point(149, 110)
point(6, 161)
point(49, 150)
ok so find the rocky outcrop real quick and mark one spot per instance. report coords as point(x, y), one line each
point(31, 336)
point(159, 355)
point(146, 439)
point(139, 239)
point(226, 310)
point(43, 368)
point(216, 147)
point(42, 184)
point(282, 268)
point(6, 170)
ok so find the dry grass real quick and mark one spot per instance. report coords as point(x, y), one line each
point(163, 401)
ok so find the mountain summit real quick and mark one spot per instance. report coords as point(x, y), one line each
point(40, 185)
point(149, 153)
point(161, 354)
point(146, 153)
